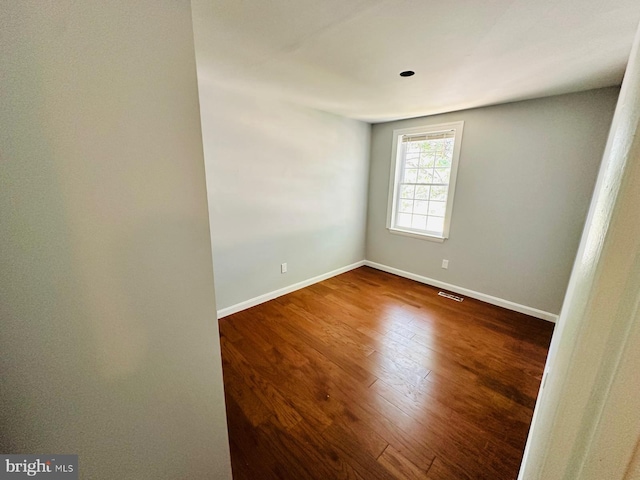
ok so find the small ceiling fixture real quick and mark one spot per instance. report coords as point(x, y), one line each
point(407, 73)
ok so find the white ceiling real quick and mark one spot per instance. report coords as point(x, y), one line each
point(344, 56)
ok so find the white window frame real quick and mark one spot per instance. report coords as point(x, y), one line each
point(396, 173)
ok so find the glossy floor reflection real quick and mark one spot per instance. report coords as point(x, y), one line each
point(372, 376)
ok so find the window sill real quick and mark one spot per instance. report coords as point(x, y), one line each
point(421, 236)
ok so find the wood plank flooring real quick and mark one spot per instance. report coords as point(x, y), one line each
point(371, 376)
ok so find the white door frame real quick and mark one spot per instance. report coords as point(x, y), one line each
point(587, 420)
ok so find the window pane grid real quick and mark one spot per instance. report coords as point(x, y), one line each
point(424, 184)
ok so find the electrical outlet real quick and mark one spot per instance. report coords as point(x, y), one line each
point(283, 268)
point(445, 264)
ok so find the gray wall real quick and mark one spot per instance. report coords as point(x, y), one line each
point(108, 337)
point(526, 175)
point(286, 184)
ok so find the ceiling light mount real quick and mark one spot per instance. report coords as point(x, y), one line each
point(407, 73)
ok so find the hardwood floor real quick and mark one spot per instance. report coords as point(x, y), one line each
point(372, 376)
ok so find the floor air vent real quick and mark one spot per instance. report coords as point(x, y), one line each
point(451, 296)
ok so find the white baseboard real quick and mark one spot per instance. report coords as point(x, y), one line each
point(252, 302)
point(534, 312)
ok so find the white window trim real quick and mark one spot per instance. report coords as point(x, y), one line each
point(394, 178)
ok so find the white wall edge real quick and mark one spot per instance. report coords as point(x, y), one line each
point(252, 302)
point(516, 307)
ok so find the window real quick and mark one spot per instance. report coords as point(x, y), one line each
point(423, 180)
